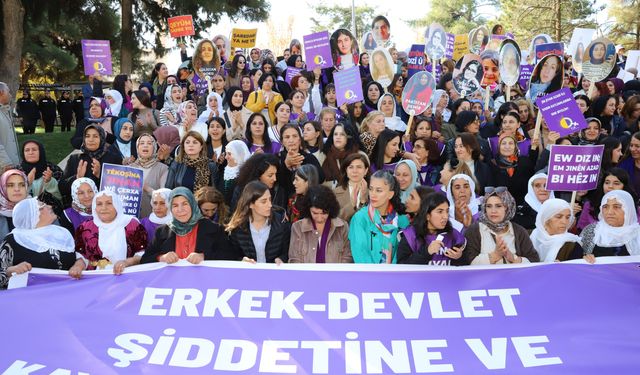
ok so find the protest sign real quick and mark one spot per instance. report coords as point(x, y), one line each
point(525, 76)
point(438, 70)
point(544, 81)
point(317, 50)
point(579, 40)
point(460, 46)
point(243, 38)
point(478, 39)
point(598, 60)
point(181, 26)
point(538, 39)
point(542, 50)
point(561, 112)
point(369, 42)
point(291, 72)
point(451, 39)
point(344, 49)
point(415, 59)
point(96, 56)
point(435, 41)
point(467, 75)
point(417, 93)
point(222, 317)
point(127, 182)
point(509, 62)
point(348, 85)
point(574, 168)
point(381, 31)
point(382, 67)
point(633, 62)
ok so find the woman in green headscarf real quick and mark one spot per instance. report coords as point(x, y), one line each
point(189, 235)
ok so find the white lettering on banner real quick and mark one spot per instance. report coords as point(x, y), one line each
point(19, 367)
point(263, 304)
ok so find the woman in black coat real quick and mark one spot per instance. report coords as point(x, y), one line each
point(512, 170)
point(96, 117)
point(257, 230)
point(189, 235)
point(292, 156)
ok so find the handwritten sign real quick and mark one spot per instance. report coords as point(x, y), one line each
point(243, 38)
point(181, 26)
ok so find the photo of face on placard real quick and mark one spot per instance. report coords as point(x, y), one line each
point(467, 75)
point(478, 39)
point(382, 67)
point(436, 41)
point(546, 78)
point(223, 46)
point(598, 59)
point(206, 60)
point(418, 92)
point(490, 68)
point(509, 62)
point(369, 42)
point(537, 40)
point(344, 49)
point(381, 31)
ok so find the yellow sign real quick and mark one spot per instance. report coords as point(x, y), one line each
point(460, 46)
point(243, 38)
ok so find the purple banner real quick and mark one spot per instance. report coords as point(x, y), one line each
point(561, 112)
point(348, 85)
point(96, 56)
point(438, 72)
point(214, 319)
point(317, 50)
point(525, 76)
point(291, 72)
point(127, 182)
point(545, 49)
point(451, 38)
point(574, 168)
point(416, 59)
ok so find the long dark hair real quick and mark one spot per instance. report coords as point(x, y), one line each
point(255, 167)
point(144, 99)
point(610, 144)
point(344, 179)
point(427, 205)
point(233, 71)
point(250, 194)
point(377, 154)
point(353, 141)
point(265, 136)
point(118, 84)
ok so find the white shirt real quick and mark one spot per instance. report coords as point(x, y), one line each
point(260, 237)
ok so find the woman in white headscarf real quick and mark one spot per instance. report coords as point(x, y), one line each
point(112, 239)
point(161, 213)
point(387, 105)
point(551, 237)
point(114, 103)
point(169, 111)
point(236, 154)
point(463, 203)
point(536, 195)
point(617, 231)
point(36, 242)
point(214, 108)
point(82, 191)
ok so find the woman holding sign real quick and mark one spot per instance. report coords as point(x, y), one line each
point(617, 233)
point(495, 239)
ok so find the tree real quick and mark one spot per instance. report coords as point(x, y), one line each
point(339, 17)
point(558, 18)
point(11, 43)
point(151, 19)
point(626, 29)
point(456, 16)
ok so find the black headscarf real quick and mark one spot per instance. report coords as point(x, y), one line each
point(40, 165)
point(227, 98)
point(102, 148)
point(367, 101)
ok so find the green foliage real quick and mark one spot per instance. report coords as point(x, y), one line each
point(626, 28)
point(339, 17)
point(525, 19)
point(456, 16)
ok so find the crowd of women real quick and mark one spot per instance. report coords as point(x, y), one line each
point(241, 165)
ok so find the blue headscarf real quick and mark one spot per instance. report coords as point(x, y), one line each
point(117, 127)
point(176, 226)
point(404, 194)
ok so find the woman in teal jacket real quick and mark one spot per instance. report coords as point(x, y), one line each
point(373, 231)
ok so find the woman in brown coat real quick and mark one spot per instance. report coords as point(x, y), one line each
point(320, 237)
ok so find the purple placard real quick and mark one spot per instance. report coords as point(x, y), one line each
point(561, 112)
point(127, 182)
point(543, 50)
point(574, 168)
point(203, 319)
point(96, 56)
point(451, 38)
point(429, 69)
point(416, 59)
point(317, 50)
point(291, 72)
point(525, 75)
point(348, 85)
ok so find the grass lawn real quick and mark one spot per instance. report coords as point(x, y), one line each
point(56, 144)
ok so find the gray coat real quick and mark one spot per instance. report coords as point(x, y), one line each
point(8, 140)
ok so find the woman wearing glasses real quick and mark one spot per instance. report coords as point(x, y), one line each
point(495, 239)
